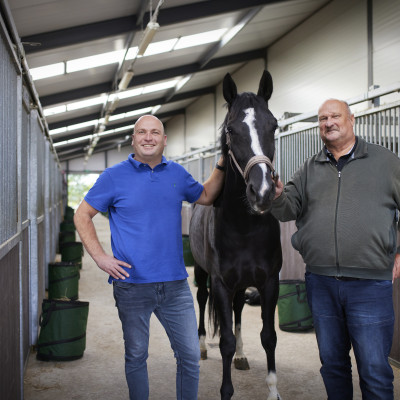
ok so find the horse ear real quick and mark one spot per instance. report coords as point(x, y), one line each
point(266, 87)
point(229, 89)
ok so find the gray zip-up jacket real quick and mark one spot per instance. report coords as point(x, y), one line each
point(347, 221)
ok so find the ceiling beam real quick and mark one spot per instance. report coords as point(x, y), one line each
point(125, 25)
point(79, 34)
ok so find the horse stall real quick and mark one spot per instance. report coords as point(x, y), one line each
point(31, 203)
point(378, 124)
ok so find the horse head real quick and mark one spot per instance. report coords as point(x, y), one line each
point(247, 140)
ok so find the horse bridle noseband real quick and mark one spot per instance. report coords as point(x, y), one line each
point(258, 159)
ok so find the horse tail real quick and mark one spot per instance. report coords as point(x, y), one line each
point(213, 314)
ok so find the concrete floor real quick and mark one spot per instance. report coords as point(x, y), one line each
point(99, 374)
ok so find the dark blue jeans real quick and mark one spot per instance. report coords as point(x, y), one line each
point(359, 314)
point(172, 303)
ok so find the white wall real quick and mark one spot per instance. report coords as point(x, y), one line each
point(116, 156)
point(201, 127)
point(386, 42)
point(176, 137)
point(324, 57)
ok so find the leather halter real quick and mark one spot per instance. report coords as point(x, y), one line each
point(258, 159)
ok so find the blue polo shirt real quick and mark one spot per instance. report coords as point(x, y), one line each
point(144, 207)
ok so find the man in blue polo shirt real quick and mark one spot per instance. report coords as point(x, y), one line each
point(143, 196)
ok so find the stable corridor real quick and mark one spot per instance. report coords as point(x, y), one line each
point(99, 374)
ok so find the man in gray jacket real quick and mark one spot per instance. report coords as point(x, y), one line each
point(345, 201)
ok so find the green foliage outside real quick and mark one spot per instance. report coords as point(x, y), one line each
point(78, 186)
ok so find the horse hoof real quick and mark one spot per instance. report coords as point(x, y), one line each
point(242, 364)
point(203, 355)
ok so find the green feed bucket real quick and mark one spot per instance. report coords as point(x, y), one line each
point(72, 252)
point(62, 330)
point(293, 310)
point(187, 253)
point(68, 236)
point(67, 226)
point(69, 213)
point(64, 280)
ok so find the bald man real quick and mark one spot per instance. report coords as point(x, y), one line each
point(143, 196)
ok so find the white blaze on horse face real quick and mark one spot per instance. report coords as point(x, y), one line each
point(249, 120)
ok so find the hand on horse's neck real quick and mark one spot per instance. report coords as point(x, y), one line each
point(340, 150)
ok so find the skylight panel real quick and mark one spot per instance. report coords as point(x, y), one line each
point(112, 57)
point(199, 39)
point(159, 86)
point(82, 125)
point(86, 103)
point(98, 60)
point(128, 93)
point(160, 47)
point(58, 130)
point(47, 71)
point(54, 110)
point(74, 140)
point(130, 113)
point(132, 52)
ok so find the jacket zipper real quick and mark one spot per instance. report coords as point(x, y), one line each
point(336, 217)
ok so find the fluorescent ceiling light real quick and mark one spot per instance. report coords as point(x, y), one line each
point(47, 71)
point(147, 37)
point(124, 82)
point(199, 39)
point(95, 61)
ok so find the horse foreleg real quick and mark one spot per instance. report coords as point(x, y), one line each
point(202, 296)
point(240, 359)
point(223, 301)
point(269, 297)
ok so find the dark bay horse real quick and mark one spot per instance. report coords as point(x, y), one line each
point(237, 241)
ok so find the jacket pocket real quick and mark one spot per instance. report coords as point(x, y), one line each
point(296, 242)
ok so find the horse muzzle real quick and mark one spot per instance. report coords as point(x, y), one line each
point(260, 191)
